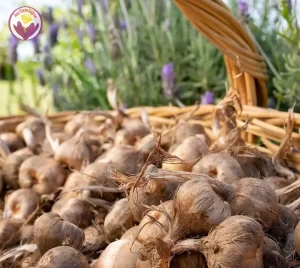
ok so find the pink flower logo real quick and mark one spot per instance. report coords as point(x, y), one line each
point(26, 32)
point(25, 23)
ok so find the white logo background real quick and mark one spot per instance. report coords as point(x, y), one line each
point(13, 21)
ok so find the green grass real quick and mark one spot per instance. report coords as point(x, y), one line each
point(10, 97)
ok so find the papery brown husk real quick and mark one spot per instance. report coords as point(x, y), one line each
point(221, 166)
point(156, 223)
point(63, 257)
point(255, 164)
point(283, 230)
point(255, 198)
point(118, 219)
point(199, 206)
point(74, 210)
point(190, 259)
point(12, 165)
point(278, 183)
point(153, 228)
point(41, 173)
point(153, 193)
point(236, 242)
point(273, 255)
point(51, 231)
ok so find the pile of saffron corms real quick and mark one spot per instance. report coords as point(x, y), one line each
point(112, 193)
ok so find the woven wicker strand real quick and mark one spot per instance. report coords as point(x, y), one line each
point(246, 69)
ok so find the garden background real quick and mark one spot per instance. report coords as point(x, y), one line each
point(147, 47)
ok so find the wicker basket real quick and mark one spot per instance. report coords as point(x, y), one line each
point(268, 124)
point(247, 74)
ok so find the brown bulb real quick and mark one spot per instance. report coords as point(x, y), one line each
point(13, 141)
point(76, 123)
point(118, 220)
point(9, 232)
point(121, 254)
point(124, 158)
point(95, 239)
point(41, 173)
point(21, 204)
point(74, 210)
point(73, 152)
point(12, 165)
point(221, 166)
point(52, 231)
point(32, 130)
point(63, 257)
point(27, 234)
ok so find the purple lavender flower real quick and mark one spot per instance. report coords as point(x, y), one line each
point(80, 35)
point(272, 103)
point(36, 44)
point(47, 48)
point(12, 54)
point(122, 24)
point(79, 7)
point(47, 59)
point(48, 15)
point(104, 4)
point(89, 64)
point(64, 23)
point(243, 8)
point(91, 33)
point(53, 33)
point(40, 76)
point(208, 98)
point(168, 81)
point(168, 72)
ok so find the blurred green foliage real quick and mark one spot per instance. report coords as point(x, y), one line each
point(287, 83)
point(132, 45)
point(131, 41)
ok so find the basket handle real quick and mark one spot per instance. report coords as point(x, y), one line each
point(246, 69)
